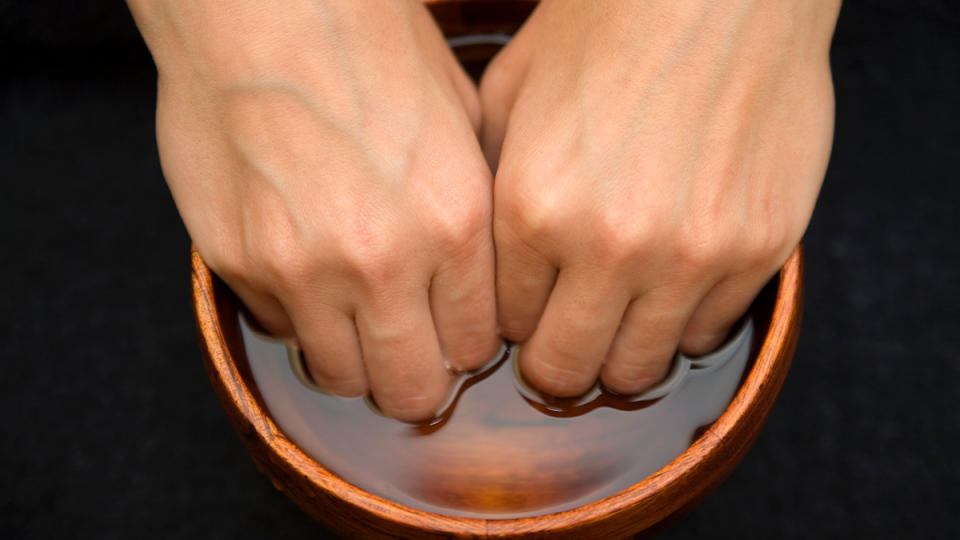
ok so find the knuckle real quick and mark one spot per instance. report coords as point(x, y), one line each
point(460, 227)
point(276, 248)
point(766, 244)
point(377, 271)
point(557, 379)
point(283, 259)
point(620, 234)
point(372, 261)
point(703, 246)
point(530, 210)
point(284, 272)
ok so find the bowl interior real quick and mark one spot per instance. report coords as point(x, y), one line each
point(500, 449)
point(673, 488)
point(682, 477)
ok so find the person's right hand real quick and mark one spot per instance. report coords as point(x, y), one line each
point(323, 157)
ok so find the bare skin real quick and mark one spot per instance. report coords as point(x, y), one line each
point(324, 159)
point(655, 163)
point(658, 161)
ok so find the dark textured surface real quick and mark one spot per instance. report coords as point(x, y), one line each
point(111, 429)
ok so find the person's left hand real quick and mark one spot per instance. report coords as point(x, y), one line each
point(657, 164)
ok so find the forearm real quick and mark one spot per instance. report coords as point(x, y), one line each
point(250, 40)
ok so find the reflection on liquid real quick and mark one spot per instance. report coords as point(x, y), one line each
point(501, 450)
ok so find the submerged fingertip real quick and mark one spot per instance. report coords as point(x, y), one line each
point(416, 408)
point(554, 380)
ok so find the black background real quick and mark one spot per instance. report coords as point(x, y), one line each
point(110, 428)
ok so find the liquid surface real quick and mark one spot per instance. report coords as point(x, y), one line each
point(501, 450)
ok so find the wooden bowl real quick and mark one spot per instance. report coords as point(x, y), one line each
point(655, 501)
point(643, 507)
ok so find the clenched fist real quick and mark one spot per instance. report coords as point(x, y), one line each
point(324, 159)
point(657, 162)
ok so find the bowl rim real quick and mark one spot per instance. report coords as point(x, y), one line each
point(678, 485)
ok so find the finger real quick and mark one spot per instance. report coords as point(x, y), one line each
point(331, 349)
point(646, 341)
point(466, 92)
point(463, 303)
point(524, 279)
point(402, 355)
point(266, 310)
point(720, 309)
point(498, 91)
point(565, 354)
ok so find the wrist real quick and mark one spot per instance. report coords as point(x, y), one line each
point(245, 40)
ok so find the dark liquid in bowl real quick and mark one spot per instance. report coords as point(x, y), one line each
point(498, 452)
